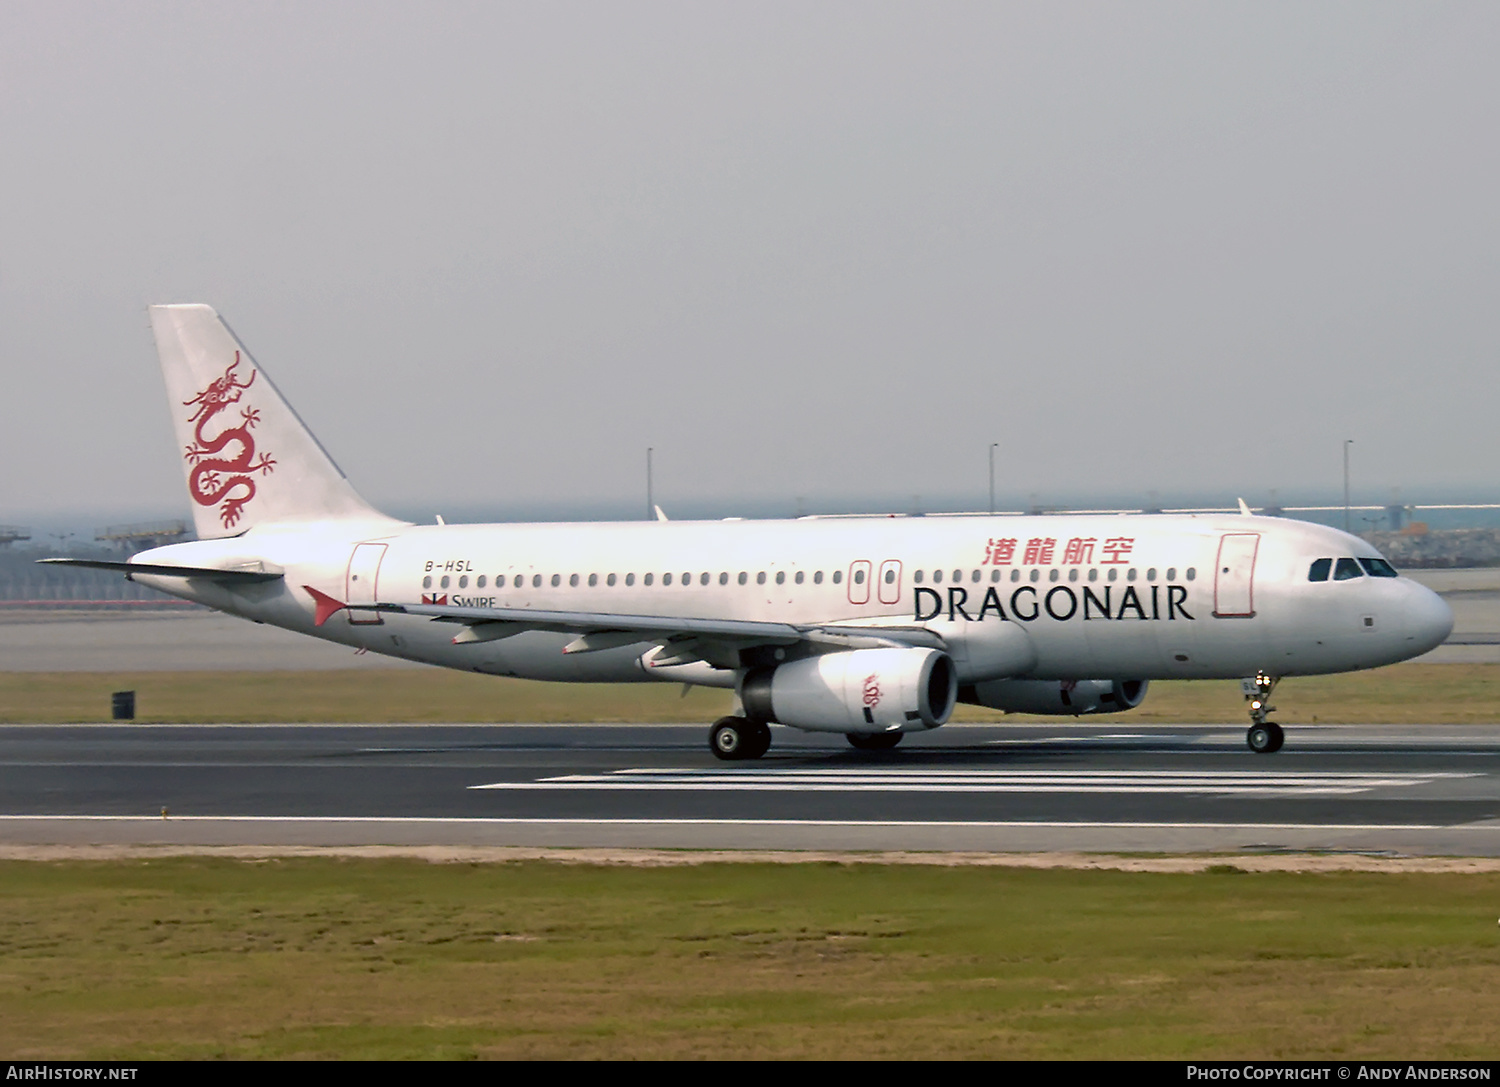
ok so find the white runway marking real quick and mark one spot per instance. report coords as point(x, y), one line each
point(1216, 783)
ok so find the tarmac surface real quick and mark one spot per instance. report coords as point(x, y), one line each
point(1386, 790)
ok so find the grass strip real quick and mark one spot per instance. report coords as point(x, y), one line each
point(1399, 694)
point(339, 958)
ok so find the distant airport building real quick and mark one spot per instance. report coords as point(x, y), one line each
point(26, 584)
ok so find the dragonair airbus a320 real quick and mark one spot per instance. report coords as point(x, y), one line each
point(872, 627)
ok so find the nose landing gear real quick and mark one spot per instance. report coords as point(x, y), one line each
point(1264, 736)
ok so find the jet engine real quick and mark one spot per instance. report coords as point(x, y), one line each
point(859, 690)
point(1061, 697)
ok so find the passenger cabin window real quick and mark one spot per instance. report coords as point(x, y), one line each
point(1346, 569)
point(1378, 568)
point(1320, 570)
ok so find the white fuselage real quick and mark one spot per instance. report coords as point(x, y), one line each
point(1139, 597)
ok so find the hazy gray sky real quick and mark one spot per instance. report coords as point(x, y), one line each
point(492, 251)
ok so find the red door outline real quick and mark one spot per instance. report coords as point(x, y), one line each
point(362, 580)
point(889, 594)
point(859, 588)
point(1234, 576)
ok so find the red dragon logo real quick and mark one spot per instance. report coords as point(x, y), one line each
point(219, 476)
point(872, 692)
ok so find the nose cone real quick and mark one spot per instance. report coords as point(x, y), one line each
point(1429, 620)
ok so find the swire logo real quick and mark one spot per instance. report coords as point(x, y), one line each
point(432, 598)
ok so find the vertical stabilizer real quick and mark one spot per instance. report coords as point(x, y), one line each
point(247, 457)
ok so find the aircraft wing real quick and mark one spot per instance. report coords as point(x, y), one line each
point(683, 637)
point(589, 621)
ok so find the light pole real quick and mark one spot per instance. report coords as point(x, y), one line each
point(650, 498)
point(1347, 443)
point(992, 475)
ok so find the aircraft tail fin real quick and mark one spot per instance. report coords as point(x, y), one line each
point(247, 456)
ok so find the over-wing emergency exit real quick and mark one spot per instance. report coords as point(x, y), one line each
point(870, 627)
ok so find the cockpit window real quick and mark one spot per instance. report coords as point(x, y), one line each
point(1320, 570)
point(1346, 569)
point(1378, 568)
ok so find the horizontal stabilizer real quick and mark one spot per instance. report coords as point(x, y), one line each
point(227, 577)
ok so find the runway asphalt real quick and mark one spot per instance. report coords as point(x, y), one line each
point(1427, 790)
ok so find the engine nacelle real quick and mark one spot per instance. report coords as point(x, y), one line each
point(1062, 698)
point(860, 690)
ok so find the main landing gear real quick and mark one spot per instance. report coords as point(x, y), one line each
point(1264, 736)
point(735, 738)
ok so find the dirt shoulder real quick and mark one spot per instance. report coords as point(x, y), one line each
point(656, 858)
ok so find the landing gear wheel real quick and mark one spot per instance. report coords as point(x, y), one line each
point(1264, 739)
point(736, 738)
point(873, 741)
